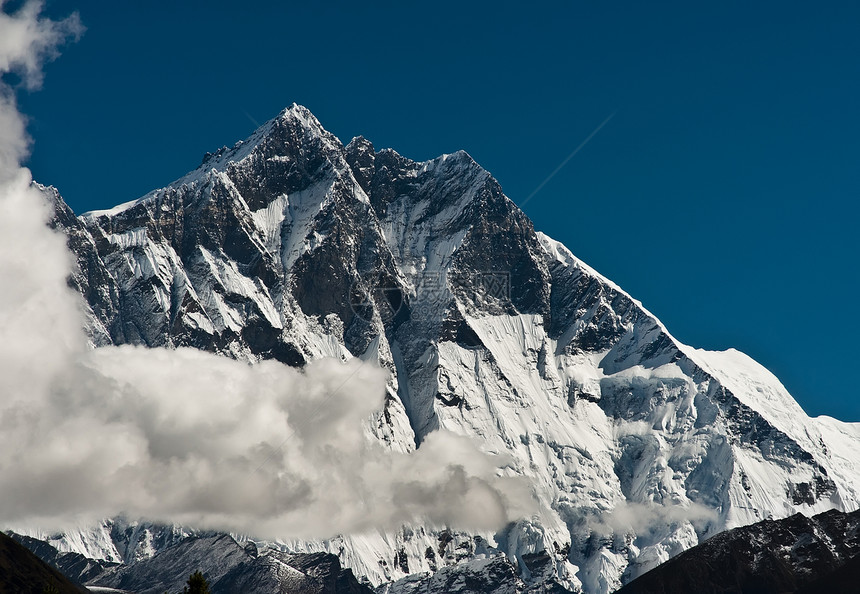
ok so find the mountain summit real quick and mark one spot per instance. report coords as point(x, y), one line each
point(291, 246)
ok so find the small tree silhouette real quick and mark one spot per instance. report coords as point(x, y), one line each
point(197, 584)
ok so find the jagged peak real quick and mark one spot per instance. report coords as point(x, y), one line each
point(295, 116)
point(302, 117)
point(297, 110)
point(48, 190)
point(298, 118)
point(62, 212)
point(459, 155)
point(458, 161)
point(359, 142)
point(392, 153)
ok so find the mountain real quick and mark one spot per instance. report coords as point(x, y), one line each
point(293, 246)
point(795, 554)
point(22, 572)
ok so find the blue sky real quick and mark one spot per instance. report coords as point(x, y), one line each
point(723, 193)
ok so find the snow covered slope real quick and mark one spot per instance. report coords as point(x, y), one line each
point(292, 246)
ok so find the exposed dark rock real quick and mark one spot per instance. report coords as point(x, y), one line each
point(772, 556)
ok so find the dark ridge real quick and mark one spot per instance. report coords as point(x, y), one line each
point(795, 554)
point(22, 572)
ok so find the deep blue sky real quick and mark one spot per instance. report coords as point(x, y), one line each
point(723, 194)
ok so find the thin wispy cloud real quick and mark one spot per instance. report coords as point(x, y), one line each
point(26, 42)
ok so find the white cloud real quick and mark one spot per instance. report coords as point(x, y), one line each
point(648, 519)
point(26, 42)
point(183, 435)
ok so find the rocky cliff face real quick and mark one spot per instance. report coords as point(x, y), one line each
point(292, 246)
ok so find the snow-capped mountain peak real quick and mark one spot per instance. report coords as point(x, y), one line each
point(292, 246)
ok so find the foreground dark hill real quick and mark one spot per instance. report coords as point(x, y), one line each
point(844, 580)
point(22, 572)
point(796, 554)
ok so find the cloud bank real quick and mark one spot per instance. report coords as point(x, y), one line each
point(185, 436)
